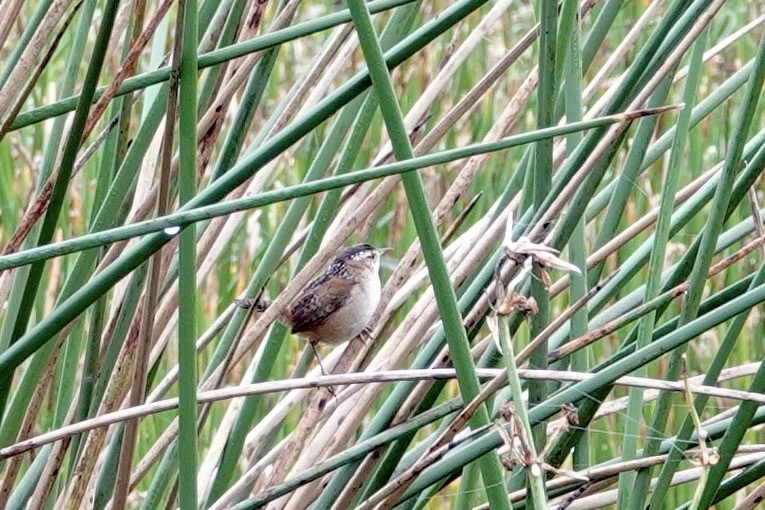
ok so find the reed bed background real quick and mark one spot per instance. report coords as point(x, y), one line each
point(160, 159)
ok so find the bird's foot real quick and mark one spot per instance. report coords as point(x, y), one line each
point(246, 303)
point(260, 305)
point(366, 336)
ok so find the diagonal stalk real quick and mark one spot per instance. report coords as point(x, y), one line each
point(439, 276)
point(733, 162)
point(658, 254)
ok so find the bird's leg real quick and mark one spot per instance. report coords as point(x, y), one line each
point(321, 366)
point(318, 358)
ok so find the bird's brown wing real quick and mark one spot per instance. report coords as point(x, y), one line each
point(320, 300)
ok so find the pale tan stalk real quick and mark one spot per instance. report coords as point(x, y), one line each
point(31, 54)
point(10, 10)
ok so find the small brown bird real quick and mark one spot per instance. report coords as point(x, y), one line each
point(338, 305)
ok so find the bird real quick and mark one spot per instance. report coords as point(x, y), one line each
point(337, 305)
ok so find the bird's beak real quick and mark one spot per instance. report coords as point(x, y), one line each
point(384, 250)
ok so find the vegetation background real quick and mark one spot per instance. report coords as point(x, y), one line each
point(159, 159)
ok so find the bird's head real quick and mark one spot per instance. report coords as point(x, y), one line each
point(361, 255)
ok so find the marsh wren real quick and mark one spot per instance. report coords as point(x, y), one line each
point(338, 305)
